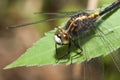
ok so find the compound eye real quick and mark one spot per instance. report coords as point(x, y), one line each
point(57, 39)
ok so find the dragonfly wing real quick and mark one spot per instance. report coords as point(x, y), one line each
point(116, 58)
point(36, 22)
point(93, 69)
point(57, 13)
point(109, 42)
point(64, 13)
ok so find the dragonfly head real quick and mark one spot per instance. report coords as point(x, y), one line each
point(61, 37)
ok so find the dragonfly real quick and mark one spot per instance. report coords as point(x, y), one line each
point(79, 25)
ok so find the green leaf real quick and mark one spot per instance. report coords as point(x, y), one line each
point(44, 52)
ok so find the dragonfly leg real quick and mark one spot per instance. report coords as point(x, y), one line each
point(68, 52)
point(81, 50)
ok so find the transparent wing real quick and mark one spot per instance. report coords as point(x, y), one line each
point(36, 22)
point(115, 54)
point(64, 13)
point(57, 13)
point(93, 69)
point(108, 41)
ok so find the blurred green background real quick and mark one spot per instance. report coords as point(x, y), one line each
point(14, 42)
